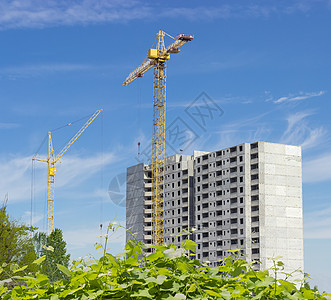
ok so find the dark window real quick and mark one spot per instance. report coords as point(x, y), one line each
point(253, 146)
point(254, 166)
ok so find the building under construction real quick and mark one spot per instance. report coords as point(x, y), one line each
point(248, 196)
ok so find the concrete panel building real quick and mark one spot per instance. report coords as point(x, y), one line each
point(248, 196)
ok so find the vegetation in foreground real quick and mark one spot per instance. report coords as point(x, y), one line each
point(168, 273)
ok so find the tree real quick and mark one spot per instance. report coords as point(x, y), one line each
point(39, 241)
point(56, 253)
point(16, 247)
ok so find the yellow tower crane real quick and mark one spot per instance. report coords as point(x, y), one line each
point(157, 58)
point(51, 161)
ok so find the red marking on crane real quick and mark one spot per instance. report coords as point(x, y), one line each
point(185, 37)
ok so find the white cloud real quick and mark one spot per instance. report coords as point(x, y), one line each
point(79, 240)
point(15, 173)
point(15, 177)
point(298, 97)
point(247, 130)
point(28, 71)
point(39, 14)
point(317, 224)
point(74, 170)
point(317, 169)
point(299, 131)
point(26, 218)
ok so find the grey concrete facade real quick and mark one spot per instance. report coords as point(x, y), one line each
point(248, 196)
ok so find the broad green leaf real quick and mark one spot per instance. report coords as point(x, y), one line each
point(154, 256)
point(160, 279)
point(142, 293)
point(233, 251)
point(164, 271)
point(132, 261)
point(289, 286)
point(50, 248)
point(226, 294)
point(13, 267)
point(308, 294)
point(183, 266)
point(189, 245)
point(236, 272)
point(20, 269)
point(42, 279)
point(64, 270)
point(180, 296)
point(267, 281)
point(213, 293)
point(192, 288)
point(39, 260)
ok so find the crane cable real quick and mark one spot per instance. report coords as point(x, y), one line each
point(32, 191)
point(69, 124)
point(102, 172)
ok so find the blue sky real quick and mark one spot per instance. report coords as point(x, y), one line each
point(265, 64)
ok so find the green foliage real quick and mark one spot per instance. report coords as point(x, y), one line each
point(167, 273)
point(39, 241)
point(56, 254)
point(16, 247)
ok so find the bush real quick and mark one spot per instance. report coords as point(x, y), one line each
point(167, 273)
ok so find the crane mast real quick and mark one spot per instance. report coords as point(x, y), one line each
point(158, 143)
point(51, 171)
point(157, 58)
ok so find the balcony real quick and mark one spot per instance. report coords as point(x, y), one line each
point(233, 184)
point(255, 256)
point(148, 185)
point(254, 160)
point(147, 211)
point(185, 185)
